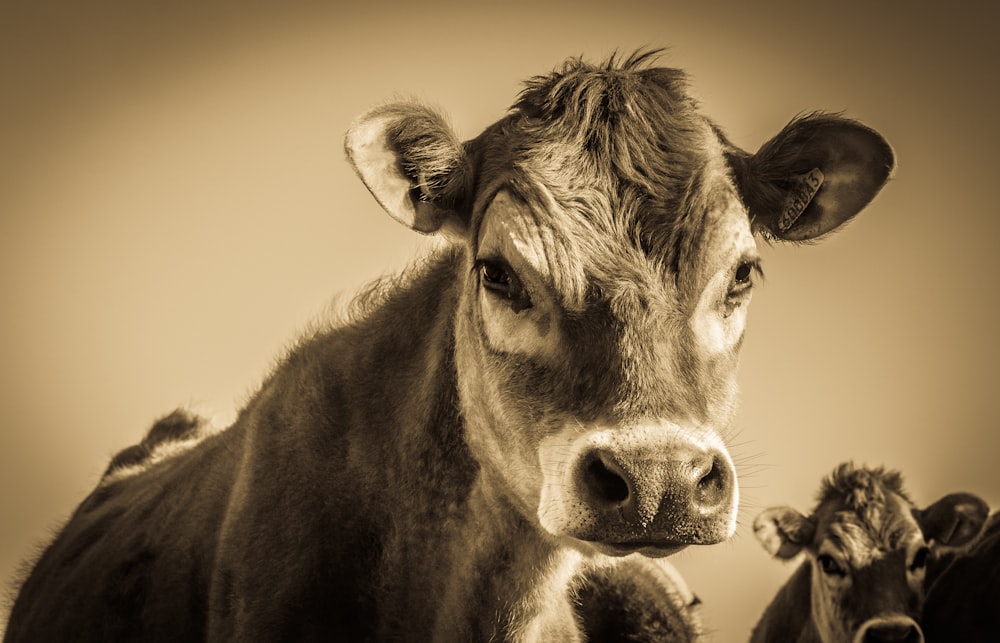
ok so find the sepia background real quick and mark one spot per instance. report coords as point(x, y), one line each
point(175, 206)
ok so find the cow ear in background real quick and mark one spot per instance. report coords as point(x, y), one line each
point(954, 520)
point(783, 531)
point(413, 164)
point(813, 177)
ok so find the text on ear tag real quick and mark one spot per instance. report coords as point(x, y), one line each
point(804, 188)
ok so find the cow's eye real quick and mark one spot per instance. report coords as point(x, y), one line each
point(501, 281)
point(920, 559)
point(743, 277)
point(829, 565)
point(741, 283)
point(743, 273)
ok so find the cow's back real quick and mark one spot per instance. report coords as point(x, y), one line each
point(138, 552)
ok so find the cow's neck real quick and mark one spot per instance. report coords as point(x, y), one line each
point(508, 581)
point(789, 616)
point(457, 561)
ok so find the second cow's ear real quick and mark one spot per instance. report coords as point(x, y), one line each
point(954, 520)
point(813, 176)
point(413, 164)
point(783, 531)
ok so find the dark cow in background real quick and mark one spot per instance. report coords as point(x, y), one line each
point(868, 549)
point(963, 602)
point(484, 439)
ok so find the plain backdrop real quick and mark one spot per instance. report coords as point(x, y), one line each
point(175, 206)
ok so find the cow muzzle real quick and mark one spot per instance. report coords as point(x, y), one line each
point(652, 489)
point(889, 629)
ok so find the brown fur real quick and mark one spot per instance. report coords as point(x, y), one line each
point(177, 426)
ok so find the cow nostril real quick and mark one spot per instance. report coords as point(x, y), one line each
point(712, 487)
point(604, 483)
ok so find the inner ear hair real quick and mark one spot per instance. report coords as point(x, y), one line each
point(413, 164)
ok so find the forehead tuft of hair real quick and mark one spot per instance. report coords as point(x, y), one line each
point(632, 132)
point(868, 493)
point(638, 117)
point(861, 487)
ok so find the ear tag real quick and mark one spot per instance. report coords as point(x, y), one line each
point(803, 190)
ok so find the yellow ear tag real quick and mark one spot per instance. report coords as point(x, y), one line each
point(799, 196)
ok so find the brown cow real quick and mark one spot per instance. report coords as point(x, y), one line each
point(867, 548)
point(546, 394)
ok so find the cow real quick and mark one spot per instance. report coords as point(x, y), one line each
point(543, 397)
point(637, 600)
point(963, 600)
point(867, 550)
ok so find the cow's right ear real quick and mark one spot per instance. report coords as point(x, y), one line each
point(954, 520)
point(413, 164)
point(813, 176)
point(783, 531)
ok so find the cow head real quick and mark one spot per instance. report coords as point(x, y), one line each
point(610, 259)
point(869, 548)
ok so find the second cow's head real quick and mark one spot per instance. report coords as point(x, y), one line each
point(610, 258)
point(869, 549)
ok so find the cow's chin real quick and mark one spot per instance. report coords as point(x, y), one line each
point(619, 549)
point(649, 549)
point(655, 541)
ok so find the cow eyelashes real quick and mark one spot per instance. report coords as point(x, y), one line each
point(829, 565)
point(501, 281)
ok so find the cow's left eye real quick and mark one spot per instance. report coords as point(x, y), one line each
point(743, 276)
point(743, 273)
point(499, 279)
point(741, 283)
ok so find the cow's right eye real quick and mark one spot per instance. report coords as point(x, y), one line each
point(498, 278)
point(829, 565)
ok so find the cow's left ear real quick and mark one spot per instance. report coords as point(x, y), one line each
point(813, 177)
point(783, 531)
point(954, 520)
point(413, 164)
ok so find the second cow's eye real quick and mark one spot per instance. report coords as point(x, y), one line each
point(920, 559)
point(829, 565)
point(499, 279)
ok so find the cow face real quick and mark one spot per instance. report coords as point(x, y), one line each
point(610, 260)
point(869, 549)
